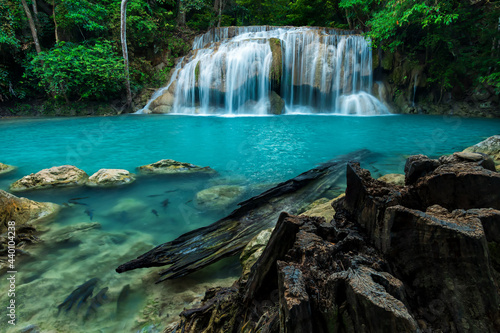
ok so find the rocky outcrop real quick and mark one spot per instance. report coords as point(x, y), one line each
point(26, 214)
point(252, 252)
point(60, 176)
point(393, 178)
point(171, 167)
point(219, 197)
point(490, 146)
point(5, 168)
point(162, 104)
point(416, 258)
point(276, 65)
point(110, 177)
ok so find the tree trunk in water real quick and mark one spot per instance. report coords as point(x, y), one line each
point(181, 15)
point(125, 51)
point(32, 26)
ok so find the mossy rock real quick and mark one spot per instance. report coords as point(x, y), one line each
point(59, 176)
point(276, 65)
point(5, 168)
point(173, 167)
point(197, 72)
point(388, 61)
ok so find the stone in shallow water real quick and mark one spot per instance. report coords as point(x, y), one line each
point(219, 197)
point(111, 177)
point(59, 176)
point(5, 168)
point(172, 167)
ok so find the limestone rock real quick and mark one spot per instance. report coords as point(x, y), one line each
point(26, 214)
point(322, 208)
point(490, 146)
point(172, 167)
point(219, 197)
point(254, 250)
point(394, 179)
point(277, 103)
point(110, 177)
point(166, 99)
point(5, 168)
point(60, 176)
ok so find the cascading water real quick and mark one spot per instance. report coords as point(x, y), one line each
point(262, 69)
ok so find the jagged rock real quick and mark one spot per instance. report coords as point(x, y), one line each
point(479, 159)
point(60, 176)
point(5, 168)
point(394, 179)
point(110, 177)
point(418, 166)
point(219, 197)
point(490, 146)
point(172, 167)
point(253, 251)
point(69, 233)
point(391, 260)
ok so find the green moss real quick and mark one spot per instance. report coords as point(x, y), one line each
point(388, 61)
point(276, 65)
point(197, 72)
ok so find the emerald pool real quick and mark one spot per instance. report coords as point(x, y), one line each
point(253, 152)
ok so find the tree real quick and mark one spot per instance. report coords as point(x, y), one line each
point(34, 32)
point(123, 35)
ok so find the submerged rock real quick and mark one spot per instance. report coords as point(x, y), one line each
point(60, 176)
point(172, 167)
point(5, 168)
point(111, 177)
point(219, 197)
point(73, 232)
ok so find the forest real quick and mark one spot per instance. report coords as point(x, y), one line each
point(68, 51)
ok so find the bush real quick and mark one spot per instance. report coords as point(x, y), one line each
point(80, 71)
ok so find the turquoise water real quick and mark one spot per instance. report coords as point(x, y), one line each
point(254, 152)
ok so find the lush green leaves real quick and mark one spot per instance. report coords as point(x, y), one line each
point(84, 71)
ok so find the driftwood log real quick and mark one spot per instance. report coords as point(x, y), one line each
point(228, 236)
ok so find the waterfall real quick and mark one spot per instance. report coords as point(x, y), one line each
point(233, 70)
point(414, 90)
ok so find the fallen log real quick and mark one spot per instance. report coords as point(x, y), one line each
point(228, 236)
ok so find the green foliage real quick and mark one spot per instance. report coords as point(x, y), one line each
point(82, 14)
point(80, 71)
point(10, 20)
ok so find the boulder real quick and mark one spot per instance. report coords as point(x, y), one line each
point(171, 167)
point(394, 179)
point(162, 109)
point(417, 166)
point(166, 99)
point(26, 214)
point(490, 146)
point(60, 176)
point(5, 168)
point(277, 103)
point(110, 177)
point(219, 197)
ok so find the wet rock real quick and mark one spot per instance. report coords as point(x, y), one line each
point(172, 167)
point(5, 168)
point(253, 251)
point(490, 146)
point(110, 177)
point(277, 106)
point(164, 102)
point(393, 178)
point(60, 176)
point(69, 233)
point(219, 197)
